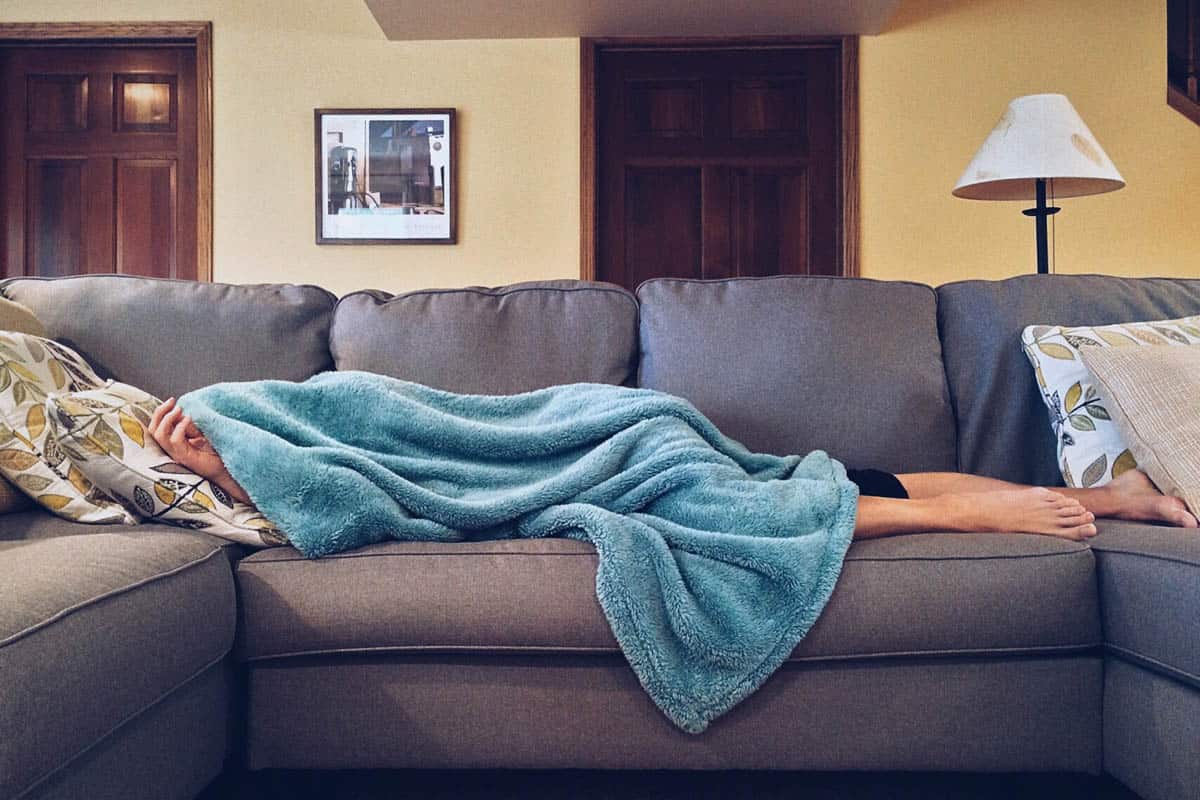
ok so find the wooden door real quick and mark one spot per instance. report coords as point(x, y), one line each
point(99, 167)
point(716, 162)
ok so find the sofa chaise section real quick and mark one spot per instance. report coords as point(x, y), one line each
point(113, 662)
point(1148, 575)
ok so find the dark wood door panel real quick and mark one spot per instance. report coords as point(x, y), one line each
point(718, 162)
point(125, 120)
point(55, 238)
point(146, 210)
point(662, 222)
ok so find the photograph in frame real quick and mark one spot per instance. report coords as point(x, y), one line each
point(385, 176)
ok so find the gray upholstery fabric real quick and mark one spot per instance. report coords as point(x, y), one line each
point(791, 364)
point(40, 524)
point(1151, 732)
point(491, 341)
point(1149, 579)
point(1003, 428)
point(106, 626)
point(169, 337)
point(590, 712)
point(928, 594)
point(169, 752)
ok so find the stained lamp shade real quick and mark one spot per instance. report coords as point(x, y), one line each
point(1039, 136)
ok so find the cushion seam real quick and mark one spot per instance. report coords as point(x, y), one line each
point(614, 649)
point(1155, 665)
point(251, 562)
point(64, 612)
point(1151, 556)
point(38, 781)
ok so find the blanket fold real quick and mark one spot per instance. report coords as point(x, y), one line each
point(713, 561)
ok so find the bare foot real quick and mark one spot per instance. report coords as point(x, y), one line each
point(1034, 510)
point(1132, 496)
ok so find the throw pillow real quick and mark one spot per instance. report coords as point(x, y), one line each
point(103, 431)
point(18, 318)
point(1091, 451)
point(1153, 394)
point(31, 368)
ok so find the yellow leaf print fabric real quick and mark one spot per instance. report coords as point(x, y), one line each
point(31, 368)
point(1091, 451)
point(103, 431)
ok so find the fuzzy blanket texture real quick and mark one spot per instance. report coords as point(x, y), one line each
point(713, 561)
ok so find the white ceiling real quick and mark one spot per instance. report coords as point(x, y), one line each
point(517, 19)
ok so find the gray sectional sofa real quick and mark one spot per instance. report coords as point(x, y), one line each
point(137, 662)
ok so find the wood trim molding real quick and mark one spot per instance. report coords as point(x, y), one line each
point(1183, 104)
point(588, 207)
point(198, 33)
point(589, 51)
point(851, 235)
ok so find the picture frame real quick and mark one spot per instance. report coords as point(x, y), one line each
point(386, 175)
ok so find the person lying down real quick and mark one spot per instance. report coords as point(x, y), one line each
point(887, 505)
point(713, 561)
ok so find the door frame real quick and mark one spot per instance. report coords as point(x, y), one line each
point(198, 34)
point(848, 181)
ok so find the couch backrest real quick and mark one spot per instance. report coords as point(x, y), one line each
point(794, 363)
point(491, 341)
point(168, 337)
point(1004, 430)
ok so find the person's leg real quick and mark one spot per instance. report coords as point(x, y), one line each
point(1130, 496)
point(1028, 510)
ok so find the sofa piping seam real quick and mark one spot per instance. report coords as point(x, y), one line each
point(614, 649)
point(82, 604)
point(855, 559)
point(1153, 664)
point(1151, 556)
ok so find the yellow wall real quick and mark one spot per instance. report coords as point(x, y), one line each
point(932, 86)
point(936, 81)
point(274, 62)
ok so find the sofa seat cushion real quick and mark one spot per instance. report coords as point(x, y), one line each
point(96, 629)
point(1149, 579)
point(794, 363)
point(931, 594)
point(491, 341)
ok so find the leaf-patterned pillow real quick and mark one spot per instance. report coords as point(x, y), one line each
point(104, 432)
point(31, 368)
point(1091, 451)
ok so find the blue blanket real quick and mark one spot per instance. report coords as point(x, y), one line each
point(713, 561)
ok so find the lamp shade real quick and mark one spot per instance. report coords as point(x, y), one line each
point(1039, 136)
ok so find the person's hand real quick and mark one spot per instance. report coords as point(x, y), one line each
point(179, 437)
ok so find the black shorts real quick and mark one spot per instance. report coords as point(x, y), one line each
point(877, 483)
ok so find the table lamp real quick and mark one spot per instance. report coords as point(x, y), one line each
point(1040, 143)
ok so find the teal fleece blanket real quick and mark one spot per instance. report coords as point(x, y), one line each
point(713, 561)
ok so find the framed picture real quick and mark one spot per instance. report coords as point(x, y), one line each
point(385, 176)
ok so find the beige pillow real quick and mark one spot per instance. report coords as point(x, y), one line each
point(18, 318)
point(1091, 451)
point(1153, 394)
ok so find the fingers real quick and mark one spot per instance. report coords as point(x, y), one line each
point(160, 412)
point(179, 429)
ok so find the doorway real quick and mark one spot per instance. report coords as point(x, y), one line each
point(718, 158)
point(107, 149)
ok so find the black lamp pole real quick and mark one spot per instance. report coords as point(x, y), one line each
point(1039, 214)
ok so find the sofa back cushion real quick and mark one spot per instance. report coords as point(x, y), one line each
point(168, 337)
point(1003, 428)
point(790, 364)
point(491, 341)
